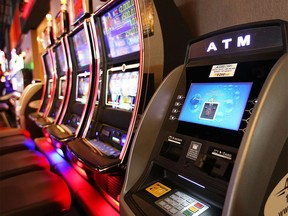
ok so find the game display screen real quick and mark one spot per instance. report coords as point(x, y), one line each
point(48, 64)
point(81, 49)
point(61, 61)
point(49, 87)
point(82, 88)
point(216, 104)
point(62, 87)
point(122, 90)
point(120, 30)
point(77, 9)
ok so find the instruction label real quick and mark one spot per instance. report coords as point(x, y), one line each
point(158, 189)
point(224, 70)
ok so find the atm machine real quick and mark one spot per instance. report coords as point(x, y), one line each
point(213, 140)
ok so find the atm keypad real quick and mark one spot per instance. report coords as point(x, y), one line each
point(179, 203)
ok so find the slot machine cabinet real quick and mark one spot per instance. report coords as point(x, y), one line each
point(62, 85)
point(59, 55)
point(126, 83)
point(49, 82)
point(81, 84)
point(192, 160)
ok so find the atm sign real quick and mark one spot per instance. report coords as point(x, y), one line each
point(258, 39)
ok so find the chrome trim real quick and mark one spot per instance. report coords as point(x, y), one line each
point(140, 81)
point(69, 79)
point(95, 73)
point(62, 44)
point(53, 85)
point(86, 26)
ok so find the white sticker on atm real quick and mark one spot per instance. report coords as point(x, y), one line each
point(223, 70)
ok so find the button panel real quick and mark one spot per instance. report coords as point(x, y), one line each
point(177, 107)
point(179, 203)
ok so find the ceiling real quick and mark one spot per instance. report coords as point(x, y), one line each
point(6, 14)
point(36, 10)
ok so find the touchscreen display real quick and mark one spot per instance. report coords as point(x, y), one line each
point(120, 30)
point(81, 48)
point(122, 90)
point(82, 87)
point(216, 104)
point(61, 61)
point(62, 87)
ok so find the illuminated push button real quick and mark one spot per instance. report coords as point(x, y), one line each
point(198, 205)
point(187, 213)
point(172, 117)
point(193, 209)
point(175, 110)
point(177, 104)
point(180, 97)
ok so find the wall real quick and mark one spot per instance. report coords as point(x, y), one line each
point(204, 16)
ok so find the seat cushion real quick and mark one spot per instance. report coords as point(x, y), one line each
point(20, 162)
point(15, 143)
point(34, 193)
point(7, 132)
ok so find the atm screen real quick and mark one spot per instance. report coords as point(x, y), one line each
point(62, 64)
point(120, 30)
point(122, 90)
point(80, 44)
point(82, 87)
point(216, 104)
point(62, 87)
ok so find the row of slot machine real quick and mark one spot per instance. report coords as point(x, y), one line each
point(100, 76)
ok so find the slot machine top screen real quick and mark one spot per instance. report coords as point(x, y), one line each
point(60, 56)
point(120, 30)
point(216, 104)
point(80, 44)
point(48, 64)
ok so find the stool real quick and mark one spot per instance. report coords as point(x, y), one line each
point(21, 162)
point(34, 193)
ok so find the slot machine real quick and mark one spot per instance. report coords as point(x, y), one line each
point(49, 73)
point(49, 86)
point(82, 78)
point(126, 84)
point(62, 69)
point(213, 140)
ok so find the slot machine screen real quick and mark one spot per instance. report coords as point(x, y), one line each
point(82, 87)
point(49, 88)
point(216, 104)
point(62, 87)
point(61, 61)
point(77, 8)
point(80, 44)
point(120, 30)
point(122, 90)
point(48, 64)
